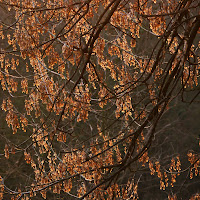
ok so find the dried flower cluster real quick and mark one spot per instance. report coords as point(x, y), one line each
point(89, 103)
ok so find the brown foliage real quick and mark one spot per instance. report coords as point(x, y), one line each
point(92, 92)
